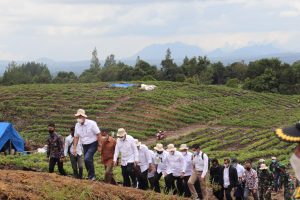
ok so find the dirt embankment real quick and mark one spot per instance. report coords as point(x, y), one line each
point(23, 185)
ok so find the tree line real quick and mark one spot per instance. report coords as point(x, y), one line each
point(264, 75)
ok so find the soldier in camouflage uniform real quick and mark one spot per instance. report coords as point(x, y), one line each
point(265, 183)
point(287, 182)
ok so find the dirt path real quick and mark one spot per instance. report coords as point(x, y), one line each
point(176, 134)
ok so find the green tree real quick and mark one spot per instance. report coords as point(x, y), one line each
point(143, 69)
point(236, 70)
point(169, 69)
point(110, 61)
point(65, 77)
point(95, 63)
point(218, 73)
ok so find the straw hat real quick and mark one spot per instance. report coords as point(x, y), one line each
point(80, 112)
point(263, 166)
point(137, 142)
point(183, 147)
point(289, 134)
point(261, 160)
point(159, 147)
point(171, 147)
point(121, 132)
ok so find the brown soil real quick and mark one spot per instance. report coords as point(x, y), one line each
point(21, 185)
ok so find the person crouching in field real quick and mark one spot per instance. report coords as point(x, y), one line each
point(55, 150)
point(76, 161)
point(89, 134)
point(107, 149)
point(129, 157)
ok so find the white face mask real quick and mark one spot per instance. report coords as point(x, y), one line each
point(80, 121)
point(184, 153)
point(172, 152)
point(104, 137)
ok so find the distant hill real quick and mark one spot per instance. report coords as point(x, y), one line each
point(156, 52)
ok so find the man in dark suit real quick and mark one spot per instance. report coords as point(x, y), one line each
point(229, 179)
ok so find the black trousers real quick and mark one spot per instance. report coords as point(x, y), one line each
point(227, 192)
point(143, 180)
point(239, 195)
point(52, 163)
point(170, 184)
point(128, 173)
point(156, 182)
point(219, 193)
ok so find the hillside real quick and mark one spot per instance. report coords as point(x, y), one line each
point(30, 185)
point(225, 121)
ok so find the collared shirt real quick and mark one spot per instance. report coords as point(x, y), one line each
point(240, 170)
point(55, 146)
point(201, 164)
point(188, 157)
point(226, 177)
point(160, 161)
point(251, 179)
point(144, 157)
point(175, 163)
point(107, 146)
point(128, 150)
point(69, 142)
point(87, 132)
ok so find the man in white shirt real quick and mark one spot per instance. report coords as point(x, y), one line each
point(187, 156)
point(175, 171)
point(230, 179)
point(239, 194)
point(76, 161)
point(144, 164)
point(160, 158)
point(89, 134)
point(129, 157)
point(200, 164)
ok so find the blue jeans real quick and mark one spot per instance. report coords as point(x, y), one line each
point(89, 152)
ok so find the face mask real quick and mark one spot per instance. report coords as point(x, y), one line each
point(234, 165)
point(80, 121)
point(195, 153)
point(159, 152)
point(172, 152)
point(248, 168)
point(273, 161)
point(104, 137)
point(184, 153)
point(51, 131)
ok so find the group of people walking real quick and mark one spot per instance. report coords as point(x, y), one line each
point(184, 172)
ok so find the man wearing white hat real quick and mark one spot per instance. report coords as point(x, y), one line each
point(175, 170)
point(275, 169)
point(188, 156)
point(144, 164)
point(160, 163)
point(265, 182)
point(129, 157)
point(89, 134)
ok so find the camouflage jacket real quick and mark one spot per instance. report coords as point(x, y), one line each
point(265, 179)
point(55, 146)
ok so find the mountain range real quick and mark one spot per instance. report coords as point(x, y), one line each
point(156, 52)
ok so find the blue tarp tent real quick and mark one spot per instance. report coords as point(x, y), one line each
point(122, 85)
point(9, 133)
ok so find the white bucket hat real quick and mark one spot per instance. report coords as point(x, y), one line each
point(80, 112)
point(273, 158)
point(137, 142)
point(159, 147)
point(121, 132)
point(263, 166)
point(171, 147)
point(183, 147)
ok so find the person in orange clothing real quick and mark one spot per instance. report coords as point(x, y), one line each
point(107, 149)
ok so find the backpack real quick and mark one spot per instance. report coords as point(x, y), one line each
point(202, 157)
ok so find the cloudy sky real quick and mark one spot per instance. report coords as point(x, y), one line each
point(70, 29)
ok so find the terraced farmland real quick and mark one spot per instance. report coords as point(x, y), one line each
point(236, 121)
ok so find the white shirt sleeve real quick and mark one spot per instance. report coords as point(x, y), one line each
point(295, 162)
point(95, 128)
point(76, 134)
point(148, 156)
point(67, 143)
point(135, 151)
point(117, 151)
point(205, 169)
